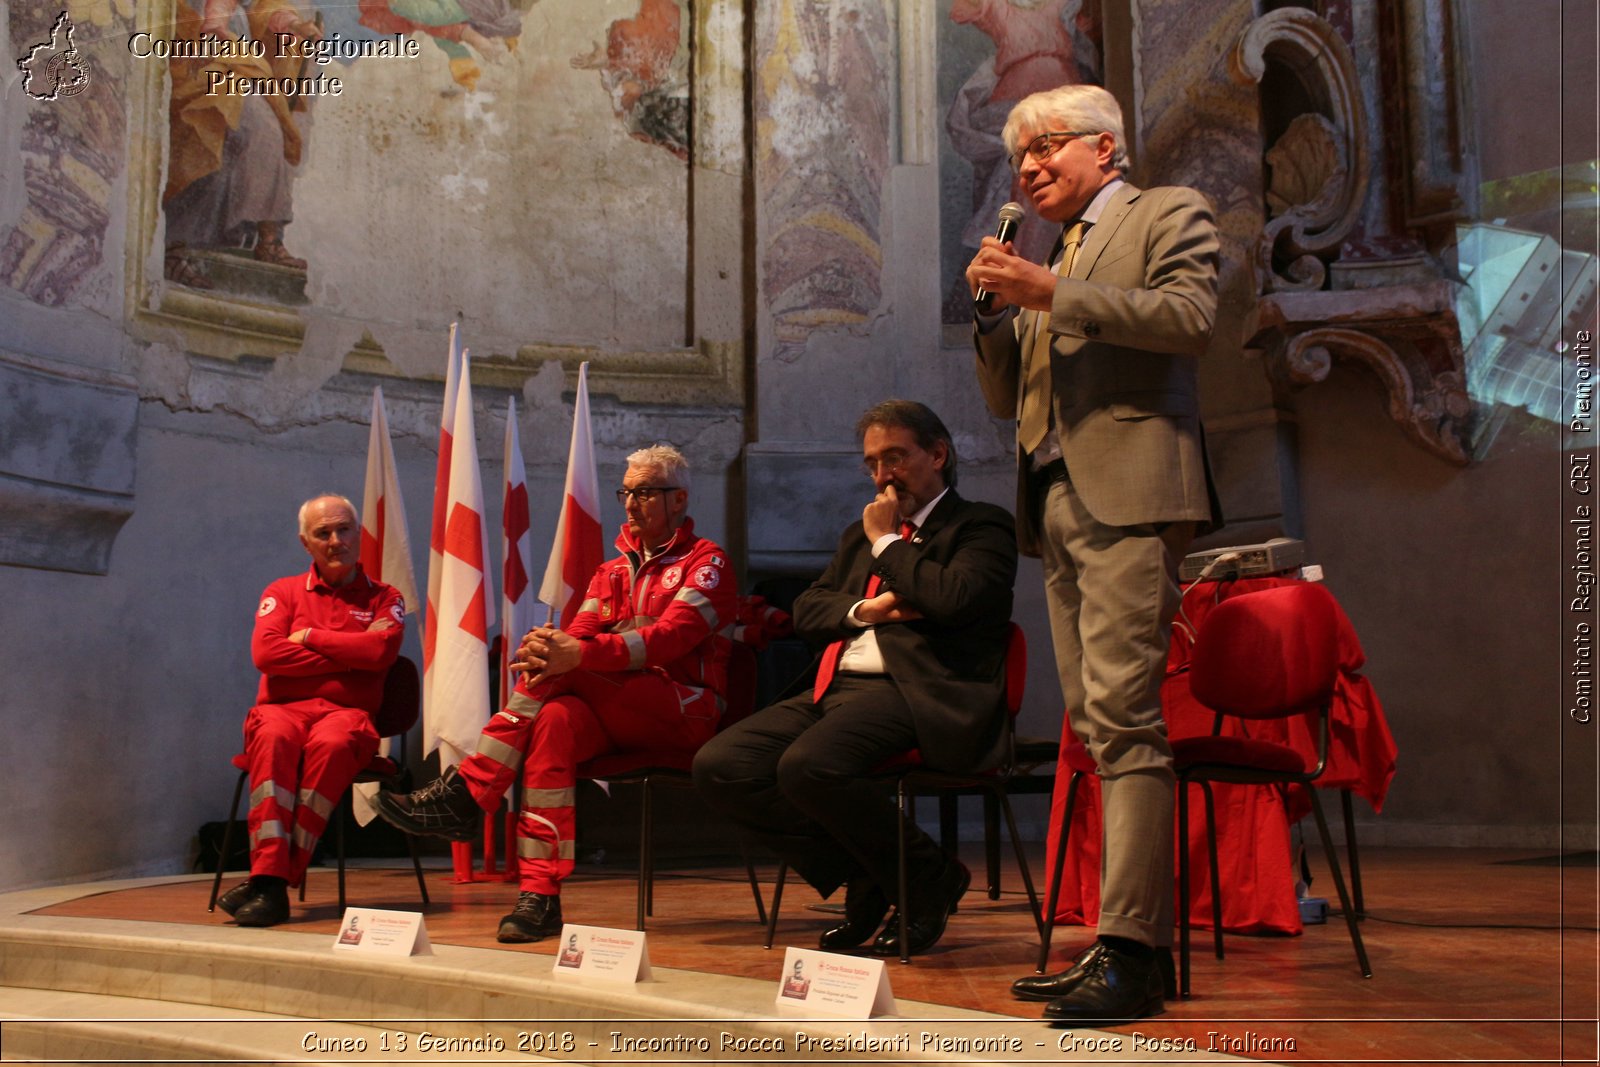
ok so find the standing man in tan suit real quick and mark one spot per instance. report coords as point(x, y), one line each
point(1096, 356)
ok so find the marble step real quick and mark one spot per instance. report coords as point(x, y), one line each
point(55, 1027)
point(129, 985)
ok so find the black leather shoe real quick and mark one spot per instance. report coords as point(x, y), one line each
point(233, 898)
point(1051, 986)
point(864, 908)
point(268, 904)
point(536, 917)
point(926, 920)
point(1114, 987)
point(442, 808)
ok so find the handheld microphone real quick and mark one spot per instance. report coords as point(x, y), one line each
point(1010, 216)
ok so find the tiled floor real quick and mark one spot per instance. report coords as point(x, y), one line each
point(1471, 963)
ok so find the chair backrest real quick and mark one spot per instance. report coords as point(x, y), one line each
point(402, 699)
point(1016, 669)
point(1269, 654)
point(741, 700)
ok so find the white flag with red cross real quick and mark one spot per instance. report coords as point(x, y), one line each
point(516, 587)
point(385, 538)
point(441, 490)
point(579, 547)
point(457, 683)
point(385, 545)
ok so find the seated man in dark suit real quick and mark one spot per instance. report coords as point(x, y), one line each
point(915, 610)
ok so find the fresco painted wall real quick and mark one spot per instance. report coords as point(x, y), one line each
point(533, 182)
point(528, 175)
point(545, 187)
point(992, 53)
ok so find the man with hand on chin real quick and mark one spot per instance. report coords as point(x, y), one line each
point(914, 611)
point(644, 665)
point(1096, 354)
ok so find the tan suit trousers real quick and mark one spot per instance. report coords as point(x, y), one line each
point(1112, 592)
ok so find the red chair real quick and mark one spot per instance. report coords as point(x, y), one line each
point(911, 777)
point(1270, 654)
point(402, 703)
point(648, 768)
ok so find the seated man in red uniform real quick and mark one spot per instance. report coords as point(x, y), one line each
point(643, 665)
point(323, 641)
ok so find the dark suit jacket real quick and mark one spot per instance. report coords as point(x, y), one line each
point(958, 571)
point(1126, 329)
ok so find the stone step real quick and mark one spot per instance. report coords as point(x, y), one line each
point(123, 989)
point(52, 1026)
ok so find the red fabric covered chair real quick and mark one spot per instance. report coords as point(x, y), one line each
point(1272, 654)
point(648, 768)
point(912, 777)
point(398, 712)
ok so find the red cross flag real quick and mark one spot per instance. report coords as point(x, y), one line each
point(385, 540)
point(516, 589)
point(457, 680)
point(441, 489)
point(385, 544)
point(579, 548)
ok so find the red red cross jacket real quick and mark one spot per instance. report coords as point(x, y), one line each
point(342, 661)
point(666, 613)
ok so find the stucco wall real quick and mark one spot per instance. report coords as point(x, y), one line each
point(123, 694)
point(818, 269)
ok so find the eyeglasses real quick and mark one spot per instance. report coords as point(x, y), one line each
point(894, 462)
point(643, 494)
point(1046, 145)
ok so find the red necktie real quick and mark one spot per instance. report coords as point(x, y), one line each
point(830, 655)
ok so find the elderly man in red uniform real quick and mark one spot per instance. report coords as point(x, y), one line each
point(323, 641)
point(643, 665)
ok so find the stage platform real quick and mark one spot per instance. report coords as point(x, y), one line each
point(1472, 966)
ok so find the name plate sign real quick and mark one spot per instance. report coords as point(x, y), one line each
point(601, 952)
point(833, 984)
point(377, 932)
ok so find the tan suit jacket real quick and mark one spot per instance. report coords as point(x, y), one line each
point(1126, 329)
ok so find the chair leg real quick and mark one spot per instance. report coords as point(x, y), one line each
point(777, 899)
point(1338, 883)
point(991, 843)
point(755, 886)
point(1183, 887)
point(416, 865)
point(227, 841)
point(904, 888)
point(1049, 918)
point(1216, 874)
point(337, 816)
point(1022, 860)
point(644, 905)
point(1350, 850)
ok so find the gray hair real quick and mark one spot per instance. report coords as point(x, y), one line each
point(1070, 107)
point(668, 461)
point(305, 509)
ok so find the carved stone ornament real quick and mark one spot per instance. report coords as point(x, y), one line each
point(1319, 164)
point(1406, 335)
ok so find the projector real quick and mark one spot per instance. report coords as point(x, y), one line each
point(1253, 561)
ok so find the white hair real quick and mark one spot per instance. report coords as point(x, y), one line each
point(305, 509)
point(1087, 108)
point(666, 460)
